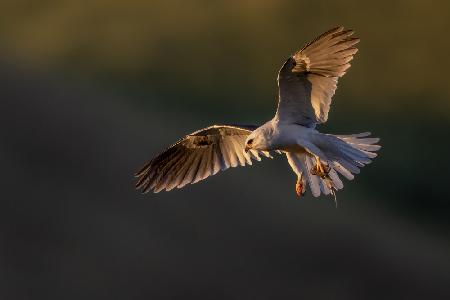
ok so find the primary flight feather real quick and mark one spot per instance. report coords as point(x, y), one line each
point(307, 82)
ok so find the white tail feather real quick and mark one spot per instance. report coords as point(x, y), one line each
point(345, 155)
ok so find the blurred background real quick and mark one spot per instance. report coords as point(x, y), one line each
point(91, 90)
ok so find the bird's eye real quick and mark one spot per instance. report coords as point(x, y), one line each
point(250, 141)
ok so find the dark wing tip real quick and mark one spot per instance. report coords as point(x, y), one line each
point(332, 31)
point(143, 169)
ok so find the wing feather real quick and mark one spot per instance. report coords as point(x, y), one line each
point(185, 170)
point(196, 157)
point(225, 154)
point(193, 168)
point(238, 150)
point(229, 148)
point(308, 80)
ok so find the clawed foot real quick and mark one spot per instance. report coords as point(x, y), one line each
point(323, 171)
point(320, 169)
point(300, 187)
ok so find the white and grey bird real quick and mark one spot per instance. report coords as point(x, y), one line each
point(307, 82)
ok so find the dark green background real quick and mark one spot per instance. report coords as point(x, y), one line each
point(91, 90)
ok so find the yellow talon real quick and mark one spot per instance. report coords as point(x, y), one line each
point(320, 169)
point(299, 186)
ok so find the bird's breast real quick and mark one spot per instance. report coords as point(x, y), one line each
point(287, 137)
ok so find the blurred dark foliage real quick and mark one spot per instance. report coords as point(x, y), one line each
point(90, 91)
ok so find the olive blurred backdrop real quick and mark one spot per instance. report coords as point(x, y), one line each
point(90, 90)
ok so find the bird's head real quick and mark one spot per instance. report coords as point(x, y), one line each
point(258, 139)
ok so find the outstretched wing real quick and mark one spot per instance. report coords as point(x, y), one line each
point(196, 157)
point(307, 81)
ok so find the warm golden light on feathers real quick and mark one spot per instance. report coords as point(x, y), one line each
point(307, 82)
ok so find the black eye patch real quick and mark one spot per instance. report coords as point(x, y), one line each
point(250, 141)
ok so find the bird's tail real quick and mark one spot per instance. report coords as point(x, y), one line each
point(340, 154)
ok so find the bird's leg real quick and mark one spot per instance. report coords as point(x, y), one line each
point(323, 170)
point(299, 186)
point(320, 169)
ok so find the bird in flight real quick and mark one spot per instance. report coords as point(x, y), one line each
point(307, 82)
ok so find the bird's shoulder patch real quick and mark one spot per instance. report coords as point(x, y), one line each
point(302, 63)
point(203, 141)
point(198, 141)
